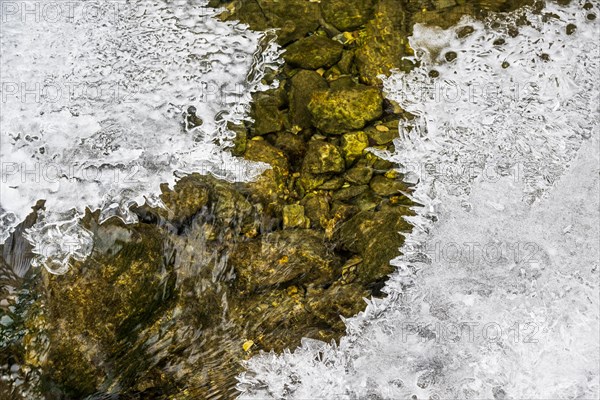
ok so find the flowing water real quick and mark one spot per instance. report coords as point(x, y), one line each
point(496, 293)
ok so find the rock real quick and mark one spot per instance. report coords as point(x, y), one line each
point(344, 82)
point(187, 199)
point(333, 184)
point(313, 52)
point(303, 84)
point(339, 300)
point(349, 192)
point(346, 62)
point(385, 42)
point(293, 217)
point(375, 237)
point(294, 18)
point(352, 145)
point(322, 158)
point(270, 186)
point(387, 187)
point(95, 312)
point(347, 15)
point(241, 138)
point(342, 110)
point(377, 163)
point(360, 174)
point(316, 208)
point(281, 258)
point(367, 201)
point(268, 117)
point(384, 133)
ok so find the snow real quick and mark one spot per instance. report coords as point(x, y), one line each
point(496, 293)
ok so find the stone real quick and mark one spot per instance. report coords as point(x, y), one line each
point(342, 110)
point(292, 145)
point(294, 19)
point(322, 158)
point(352, 145)
point(302, 85)
point(283, 257)
point(241, 138)
point(360, 174)
point(384, 133)
point(313, 52)
point(347, 15)
point(385, 42)
point(316, 208)
point(293, 217)
point(376, 237)
point(387, 187)
point(267, 116)
point(349, 192)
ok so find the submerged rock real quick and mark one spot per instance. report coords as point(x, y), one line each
point(283, 258)
point(323, 157)
point(385, 42)
point(313, 52)
point(376, 237)
point(294, 19)
point(340, 110)
point(303, 85)
point(352, 145)
point(347, 15)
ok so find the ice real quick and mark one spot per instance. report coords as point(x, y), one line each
point(496, 293)
point(92, 100)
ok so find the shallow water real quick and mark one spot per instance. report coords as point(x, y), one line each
point(504, 151)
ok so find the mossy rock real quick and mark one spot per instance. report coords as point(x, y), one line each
point(241, 138)
point(337, 111)
point(347, 15)
point(383, 133)
point(313, 52)
point(93, 314)
point(266, 112)
point(186, 199)
point(384, 186)
point(359, 174)
point(293, 217)
point(322, 158)
point(352, 145)
point(270, 186)
point(376, 237)
point(302, 86)
point(316, 208)
point(385, 42)
point(348, 193)
point(282, 258)
point(293, 19)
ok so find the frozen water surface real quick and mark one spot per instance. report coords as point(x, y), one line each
point(92, 101)
point(496, 295)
